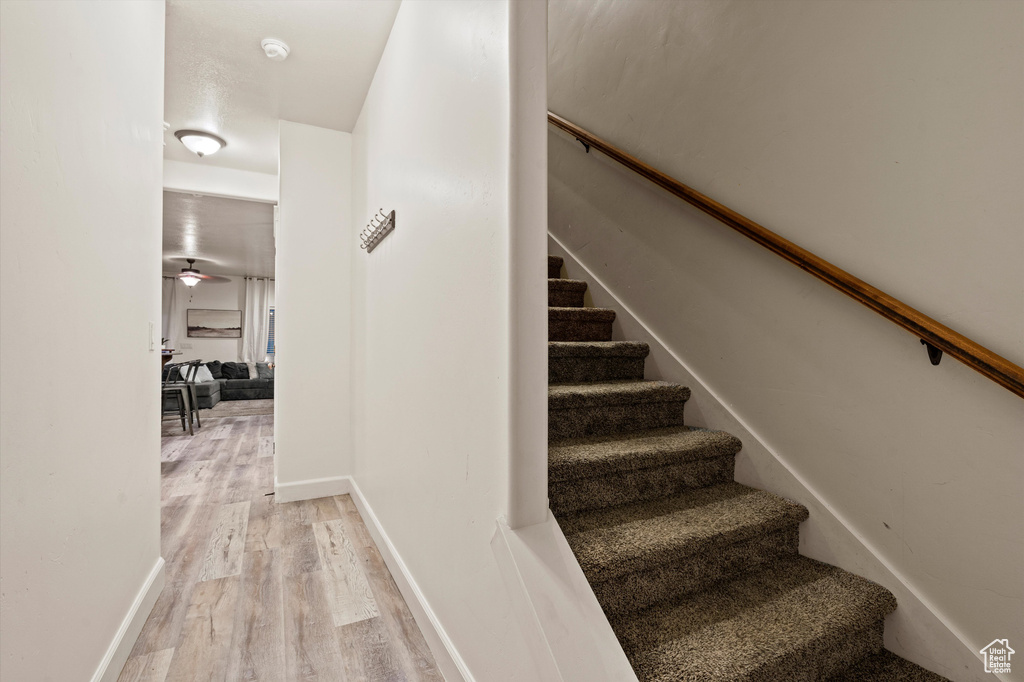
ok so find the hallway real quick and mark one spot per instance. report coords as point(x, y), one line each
point(263, 591)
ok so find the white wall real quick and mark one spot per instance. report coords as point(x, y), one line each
point(217, 181)
point(527, 258)
point(312, 386)
point(80, 212)
point(885, 137)
point(228, 295)
point(431, 318)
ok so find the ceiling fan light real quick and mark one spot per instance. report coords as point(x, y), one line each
point(200, 143)
point(190, 280)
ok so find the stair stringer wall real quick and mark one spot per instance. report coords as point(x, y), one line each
point(555, 608)
point(916, 630)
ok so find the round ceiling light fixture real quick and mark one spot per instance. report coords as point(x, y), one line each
point(200, 143)
point(276, 49)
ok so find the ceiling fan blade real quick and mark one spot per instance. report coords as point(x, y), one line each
point(212, 279)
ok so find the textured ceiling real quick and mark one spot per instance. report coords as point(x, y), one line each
point(225, 236)
point(218, 79)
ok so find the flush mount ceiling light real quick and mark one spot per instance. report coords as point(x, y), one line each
point(200, 143)
point(276, 49)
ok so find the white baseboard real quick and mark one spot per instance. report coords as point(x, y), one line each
point(448, 660)
point(311, 489)
point(113, 661)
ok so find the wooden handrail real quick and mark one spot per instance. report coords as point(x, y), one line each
point(931, 332)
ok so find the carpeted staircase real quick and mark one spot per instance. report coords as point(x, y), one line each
point(698, 575)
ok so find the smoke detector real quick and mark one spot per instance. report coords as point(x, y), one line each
point(276, 50)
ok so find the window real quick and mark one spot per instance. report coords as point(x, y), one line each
point(270, 336)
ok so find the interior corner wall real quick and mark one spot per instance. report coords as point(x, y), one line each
point(887, 138)
point(431, 317)
point(312, 433)
point(80, 212)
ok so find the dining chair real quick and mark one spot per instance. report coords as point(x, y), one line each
point(190, 381)
point(174, 386)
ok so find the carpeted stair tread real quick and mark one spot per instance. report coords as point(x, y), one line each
point(886, 666)
point(554, 267)
point(613, 541)
point(569, 284)
point(581, 314)
point(600, 455)
point(796, 619)
point(597, 349)
point(566, 293)
point(564, 396)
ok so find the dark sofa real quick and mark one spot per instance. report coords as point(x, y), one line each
point(231, 382)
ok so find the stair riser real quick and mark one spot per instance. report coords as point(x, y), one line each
point(821, 659)
point(577, 330)
point(827, 657)
point(565, 298)
point(638, 590)
point(569, 370)
point(638, 484)
point(582, 422)
point(554, 269)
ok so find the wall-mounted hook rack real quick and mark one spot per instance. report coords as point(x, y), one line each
point(380, 226)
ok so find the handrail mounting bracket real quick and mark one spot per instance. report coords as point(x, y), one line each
point(585, 145)
point(934, 354)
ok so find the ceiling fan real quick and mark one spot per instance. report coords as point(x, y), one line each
point(191, 277)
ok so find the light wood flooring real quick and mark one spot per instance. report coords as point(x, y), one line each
point(263, 591)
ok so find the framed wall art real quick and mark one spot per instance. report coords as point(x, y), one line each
point(214, 324)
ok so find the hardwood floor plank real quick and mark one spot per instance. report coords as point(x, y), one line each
point(248, 446)
point(185, 528)
point(193, 478)
point(349, 593)
point(299, 553)
point(224, 552)
point(219, 431)
point(417, 663)
point(371, 654)
point(265, 526)
point(172, 449)
point(266, 447)
point(231, 485)
point(313, 649)
point(360, 533)
point(266, 423)
point(257, 647)
point(318, 510)
point(304, 566)
point(151, 667)
point(234, 478)
point(204, 651)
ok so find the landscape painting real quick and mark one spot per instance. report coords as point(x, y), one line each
point(214, 324)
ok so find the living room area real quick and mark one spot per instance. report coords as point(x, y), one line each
point(218, 310)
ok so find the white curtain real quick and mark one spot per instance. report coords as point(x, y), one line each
point(172, 316)
point(257, 320)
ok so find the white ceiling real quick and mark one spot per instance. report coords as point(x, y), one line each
point(218, 79)
point(225, 236)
